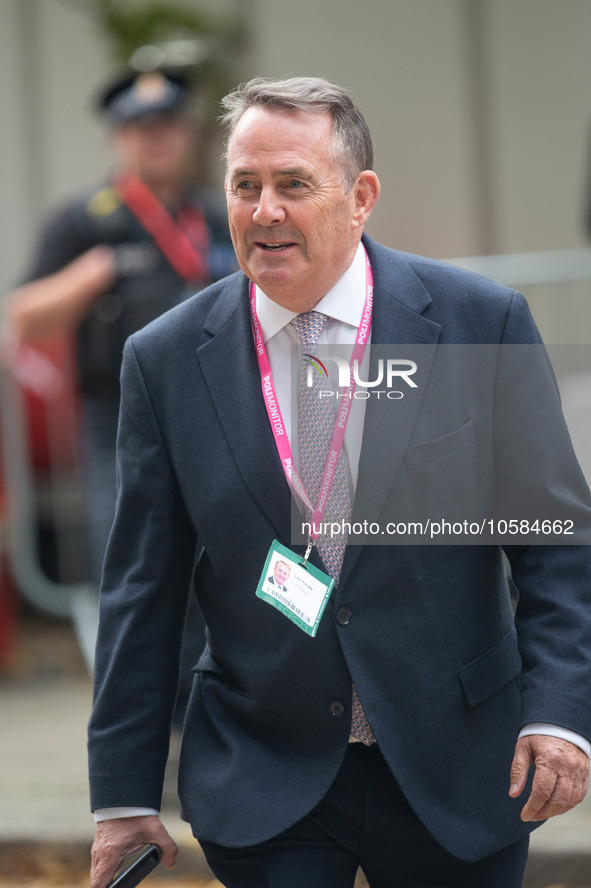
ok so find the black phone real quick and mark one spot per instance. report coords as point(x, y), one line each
point(138, 869)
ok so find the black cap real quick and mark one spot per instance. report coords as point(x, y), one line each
point(142, 94)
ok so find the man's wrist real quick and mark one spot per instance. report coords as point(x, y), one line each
point(124, 811)
point(557, 731)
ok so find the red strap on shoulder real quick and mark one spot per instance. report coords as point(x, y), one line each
point(178, 242)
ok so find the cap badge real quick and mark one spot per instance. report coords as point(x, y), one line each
point(150, 87)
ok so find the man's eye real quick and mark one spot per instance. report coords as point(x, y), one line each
point(246, 185)
point(295, 183)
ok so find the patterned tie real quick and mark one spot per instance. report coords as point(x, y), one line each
point(316, 421)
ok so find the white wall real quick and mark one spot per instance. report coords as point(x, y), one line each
point(50, 63)
point(540, 74)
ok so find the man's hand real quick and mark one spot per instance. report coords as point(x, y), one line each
point(561, 778)
point(115, 839)
point(56, 304)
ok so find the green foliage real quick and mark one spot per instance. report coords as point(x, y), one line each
point(129, 26)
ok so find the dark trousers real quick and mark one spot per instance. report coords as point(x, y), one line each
point(363, 821)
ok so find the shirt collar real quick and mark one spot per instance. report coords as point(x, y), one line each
point(344, 302)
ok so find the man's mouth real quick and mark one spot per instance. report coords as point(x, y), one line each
point(274, 248)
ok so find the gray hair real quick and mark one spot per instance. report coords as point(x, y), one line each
point(351, 137)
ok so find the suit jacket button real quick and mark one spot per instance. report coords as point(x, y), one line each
point(343, 616)
point(337, 709)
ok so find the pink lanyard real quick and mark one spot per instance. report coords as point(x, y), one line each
point(276, 419)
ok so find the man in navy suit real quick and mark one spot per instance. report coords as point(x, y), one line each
point(421, 652)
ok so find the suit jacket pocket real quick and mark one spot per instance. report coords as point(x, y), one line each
point(428, 451)
point(444, 480)
point(493, 670)
point(209, 668)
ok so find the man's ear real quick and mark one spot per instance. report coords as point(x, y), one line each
point(367, 191)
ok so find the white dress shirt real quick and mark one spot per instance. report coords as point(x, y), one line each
point(343, 306)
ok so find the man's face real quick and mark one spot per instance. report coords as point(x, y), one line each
point(281, 573)
point(157, 149)
point(294, 225)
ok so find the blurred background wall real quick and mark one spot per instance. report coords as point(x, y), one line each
point(480, 111)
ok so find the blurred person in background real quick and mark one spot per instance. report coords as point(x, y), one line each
point(115, 258)
point(119, 255)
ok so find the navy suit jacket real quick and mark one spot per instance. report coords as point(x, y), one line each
point(446, 670)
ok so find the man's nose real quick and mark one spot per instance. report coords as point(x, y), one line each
point(269, 210)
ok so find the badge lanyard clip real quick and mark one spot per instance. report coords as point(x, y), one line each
point(309, 548)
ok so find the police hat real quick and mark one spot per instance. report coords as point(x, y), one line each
point(143, 94)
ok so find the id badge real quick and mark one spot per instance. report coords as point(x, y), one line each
point(298, 591)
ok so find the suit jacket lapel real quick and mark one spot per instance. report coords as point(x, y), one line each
point(231, 372)
point(399, 302)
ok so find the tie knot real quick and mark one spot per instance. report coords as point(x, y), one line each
point(309, 326)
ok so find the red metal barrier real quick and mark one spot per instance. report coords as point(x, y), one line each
point(47, 377)
point(47, 385)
